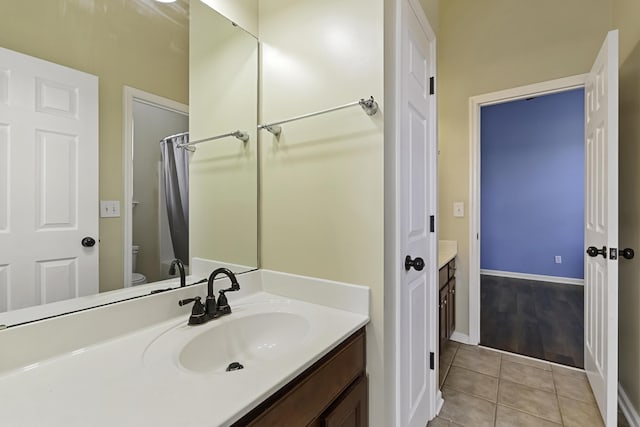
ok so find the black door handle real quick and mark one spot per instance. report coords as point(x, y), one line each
point(88, 242)
point(628, 253)
point(593, 252)
point(417, 264)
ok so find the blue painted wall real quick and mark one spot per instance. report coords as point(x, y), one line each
point(532, 185)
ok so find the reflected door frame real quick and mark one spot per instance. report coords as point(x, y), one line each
point(130, 95)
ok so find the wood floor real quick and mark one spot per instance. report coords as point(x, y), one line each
point(537, 319)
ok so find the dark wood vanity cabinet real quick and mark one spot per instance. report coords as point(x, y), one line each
point(331, 393)
point(447, 303)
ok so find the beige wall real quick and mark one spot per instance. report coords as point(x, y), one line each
point(322, 182)
point(123, 43)
point(430, 8)
point(626, 17)
point(223, 178)
point(489, 46)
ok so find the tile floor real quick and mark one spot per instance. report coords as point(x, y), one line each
point(483, 387)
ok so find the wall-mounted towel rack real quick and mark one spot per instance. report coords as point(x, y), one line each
point(241, 135)
point(370, 106)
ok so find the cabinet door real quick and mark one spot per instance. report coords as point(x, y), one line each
point(444, 318)
point(451, 307)
point(351, 409)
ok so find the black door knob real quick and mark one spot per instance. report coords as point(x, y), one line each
point(628, 253)
point(88, 242)
point(417, 264)
point(593, 252)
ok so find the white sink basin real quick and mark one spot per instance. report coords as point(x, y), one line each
point(257, 335)
point(248, 340)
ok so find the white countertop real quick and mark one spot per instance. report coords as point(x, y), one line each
point(447, 250)
point(128, 381)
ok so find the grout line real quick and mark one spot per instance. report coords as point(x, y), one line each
point(495, 415)
point(553, 381)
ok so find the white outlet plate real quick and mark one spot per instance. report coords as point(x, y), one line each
point(458, 209)
point(558, 259)
point(109, 208)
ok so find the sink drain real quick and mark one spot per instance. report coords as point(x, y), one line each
point(234, 366)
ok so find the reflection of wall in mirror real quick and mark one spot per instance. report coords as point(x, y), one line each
point(138, 44)
point(242, 12)
point(223, 73)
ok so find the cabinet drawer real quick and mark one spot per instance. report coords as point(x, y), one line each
point(443, 276)
point(316, 390)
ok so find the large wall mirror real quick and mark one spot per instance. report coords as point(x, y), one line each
point(163, 75)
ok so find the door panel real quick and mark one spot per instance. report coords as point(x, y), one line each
point(601, 228)
point(416, 154)
point(48, 181)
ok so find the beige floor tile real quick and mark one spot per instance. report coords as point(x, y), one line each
point(526, 361)
point(574, 385)
point(527, 375)
point(473, 383)
point(444, 370)
point(507, 417)
point(536, 402)
point(449, 352)
point(467, 410)
point(579, 414)
point(441, 422)
point(483, 361)
point(568, 371)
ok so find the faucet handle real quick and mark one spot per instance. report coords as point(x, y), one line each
point(197, 312)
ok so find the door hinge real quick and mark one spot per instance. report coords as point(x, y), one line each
point(613, 253)
point(432, 223)
point(432, 361)
point(432, 85)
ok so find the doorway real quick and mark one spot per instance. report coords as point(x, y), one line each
point(148, 119)
point(532, 226)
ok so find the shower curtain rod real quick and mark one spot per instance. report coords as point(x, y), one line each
point(241, 135)
point(370, 106)
point(175, 136)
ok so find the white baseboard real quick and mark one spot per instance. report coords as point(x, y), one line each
point(460, 337)
point(536, 277)
point(627, 408)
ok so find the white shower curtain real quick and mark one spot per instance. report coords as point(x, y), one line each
point(175, 165)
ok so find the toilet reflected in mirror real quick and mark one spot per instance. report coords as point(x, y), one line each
point(136, 278)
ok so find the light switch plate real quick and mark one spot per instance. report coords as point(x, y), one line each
point(458, 209)
point(109, 208)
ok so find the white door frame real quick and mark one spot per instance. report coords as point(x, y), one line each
point(393, 255)
point(131, 94)
point(475, 104)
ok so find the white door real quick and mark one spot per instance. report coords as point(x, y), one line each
point(48, 181)
point(601, 229)
point(417, 173)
